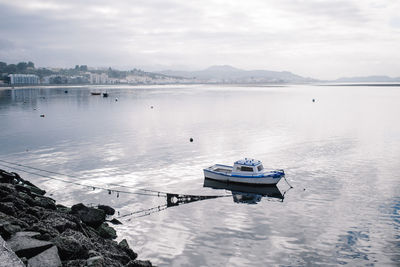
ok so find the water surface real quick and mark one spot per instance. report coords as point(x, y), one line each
point(341, 153)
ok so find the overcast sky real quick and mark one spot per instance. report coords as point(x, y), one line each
point(317, 38)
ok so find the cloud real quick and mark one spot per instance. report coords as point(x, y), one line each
point(317, 38)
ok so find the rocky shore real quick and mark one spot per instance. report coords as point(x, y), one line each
point(36, 231)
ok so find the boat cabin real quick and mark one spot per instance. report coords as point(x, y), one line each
point(247, 167)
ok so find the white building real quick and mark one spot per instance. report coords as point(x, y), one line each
point(23, 79)
point(99, 78)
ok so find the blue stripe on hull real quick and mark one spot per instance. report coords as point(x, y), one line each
point(275, 175)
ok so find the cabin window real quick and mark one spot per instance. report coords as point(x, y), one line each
point(246, 169)
point(260, 167)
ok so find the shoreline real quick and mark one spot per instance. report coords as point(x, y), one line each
point(39, 232)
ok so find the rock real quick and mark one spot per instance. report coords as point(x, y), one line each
point(25, 246)
point(58, 222)
point(106, 231)
point(12, 220)
point(139, 263)
point(91, 216)
point(8, 188)
point(21, 188)
point(72, 245)
point(44, 229)
point(118, 257)
point(7, 229)
point(27, 198)
point(125, 247)
point(115, 221)
point(74, 263)
point(28, 218)
point(93, 253)
point(107, 209)
point(63, 209)
point(46, 202)
point(38, 212)
point(8, 208)
point(18, 203)
point(36, 190)
point(27, 234)
point(48, 257)
point(7, 177)
point(123, 244)
point(97, 261)
point(7, 256)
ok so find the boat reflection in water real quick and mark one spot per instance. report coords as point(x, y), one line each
point(248, 194)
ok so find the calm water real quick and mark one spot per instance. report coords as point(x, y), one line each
point(341, 154)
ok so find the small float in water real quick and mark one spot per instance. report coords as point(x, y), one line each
point(105, 94)
point(245, 171)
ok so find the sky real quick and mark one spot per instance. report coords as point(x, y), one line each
point(322, 39)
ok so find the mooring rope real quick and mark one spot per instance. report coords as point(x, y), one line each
point(77, 177)
point(160, 194)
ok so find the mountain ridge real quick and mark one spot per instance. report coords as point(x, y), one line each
point(229, 74)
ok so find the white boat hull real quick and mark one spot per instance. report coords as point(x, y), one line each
point(245, 180)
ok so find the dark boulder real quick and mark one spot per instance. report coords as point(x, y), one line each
point(106, 231)
point(47, 232)
point(63, 209)
point(8, 177)
point(74, 263)
point(8, 208)
point(46, 202)
point(72, 245)
point(115, 221)
point(90, 216)
point(61, 222)
point(7, 229)
point(28, 199)
point(125, 247)
point(21, 188)
point(107, 209)
point(12, 220)
point(48, 257)
point(28, 218)
point(38, 212)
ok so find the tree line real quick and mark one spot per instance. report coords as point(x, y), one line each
point(29, 68)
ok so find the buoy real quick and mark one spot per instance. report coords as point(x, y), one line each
point(66, 91)
point(109, 192)
point(313, 100)
point(42, 115)
point(116, 99)
point(191, 139)
point(151, 107)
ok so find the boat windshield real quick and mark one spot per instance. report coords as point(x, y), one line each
point(246, 169)
point(260, 167)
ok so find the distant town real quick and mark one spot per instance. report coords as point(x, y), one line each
point(25, 73)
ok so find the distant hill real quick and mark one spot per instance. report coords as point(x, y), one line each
point(367, 79)
point(229, 74)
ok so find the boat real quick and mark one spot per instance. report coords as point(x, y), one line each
point(245, 171)
point(95, 93)
point(246, 193)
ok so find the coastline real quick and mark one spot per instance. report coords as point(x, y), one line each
point(39, 232)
